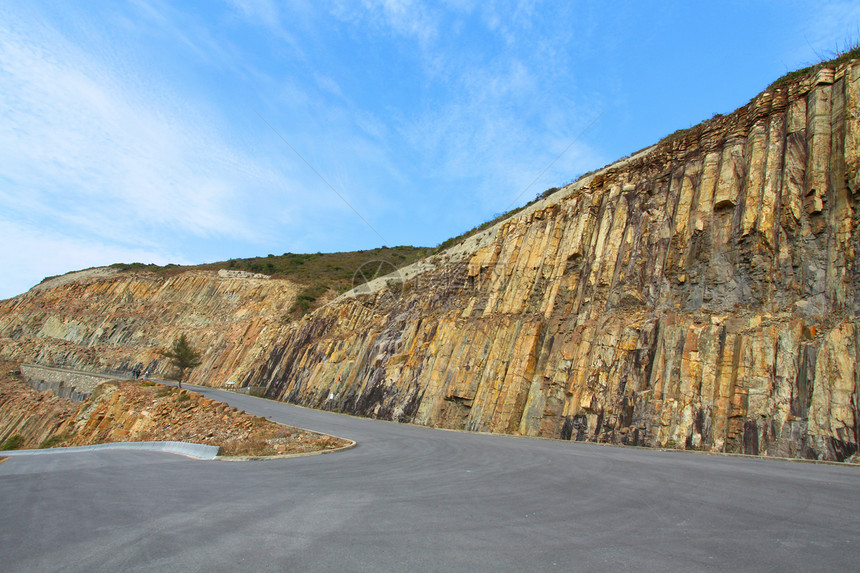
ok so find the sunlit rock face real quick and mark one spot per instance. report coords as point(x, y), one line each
point(701, 294)
point(106, 321)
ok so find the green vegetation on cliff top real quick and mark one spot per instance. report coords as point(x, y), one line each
point(837, 58)
point(321, 273)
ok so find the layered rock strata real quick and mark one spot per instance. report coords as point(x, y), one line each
point(701, 294)
point(105, 321)
point(132, 411)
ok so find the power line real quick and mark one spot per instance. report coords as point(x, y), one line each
point(551, 163)
point(384, 242)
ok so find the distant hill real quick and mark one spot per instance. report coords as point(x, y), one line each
point(320, 273)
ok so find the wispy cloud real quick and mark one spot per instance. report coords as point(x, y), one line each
point(405, 18)
point(90, 145)
point(264, 11)
point(832, 25)
point(57, 254)
point(483, 123)
point(114, 159)
point(79, 130)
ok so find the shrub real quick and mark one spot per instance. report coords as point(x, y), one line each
point(54, 441)
point(12, 443)
point(849, 52)
point(306, 299)
point(253, 446)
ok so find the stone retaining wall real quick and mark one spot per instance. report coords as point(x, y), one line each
point(60, 389)
point(75, 386)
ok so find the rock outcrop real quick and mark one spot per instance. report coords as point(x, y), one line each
point(105, 321)
point(701, 294)
point(132, 411)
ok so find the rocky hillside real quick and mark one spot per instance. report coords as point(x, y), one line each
point(131, 411)
point(700, 294)
point(104, 320)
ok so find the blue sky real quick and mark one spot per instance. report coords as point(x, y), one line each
point(137, 131)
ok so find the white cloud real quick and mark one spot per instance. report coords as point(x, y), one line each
point(832, 26)
point(104, 144)
point(106, 152)
point(29, 254)
point(823, 28)
point(92, 147)
point(264, 11)
point(499, 130)
point(406, 18)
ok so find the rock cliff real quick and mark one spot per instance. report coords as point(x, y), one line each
point(701, 294)
point(103, 320)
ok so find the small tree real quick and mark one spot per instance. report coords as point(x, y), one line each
point(182, 356)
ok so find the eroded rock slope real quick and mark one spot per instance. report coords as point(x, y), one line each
point(102, 320)
point(701, 294)
point(132, 411)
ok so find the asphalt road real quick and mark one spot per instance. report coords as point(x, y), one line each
point(415, 499)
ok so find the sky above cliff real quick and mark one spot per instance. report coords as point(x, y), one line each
point(192, 132)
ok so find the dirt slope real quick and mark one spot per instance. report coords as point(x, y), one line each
point(130, 411)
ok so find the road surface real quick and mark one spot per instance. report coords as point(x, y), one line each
point(415, 499)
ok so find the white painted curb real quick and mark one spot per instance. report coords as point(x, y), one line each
point(197, 451)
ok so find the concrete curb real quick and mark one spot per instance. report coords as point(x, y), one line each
point(196, 451)
point(349, 446)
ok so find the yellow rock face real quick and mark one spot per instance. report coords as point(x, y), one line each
point(114, 322)
point(701, 294)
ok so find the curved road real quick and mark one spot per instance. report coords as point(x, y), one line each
point(415, 499)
